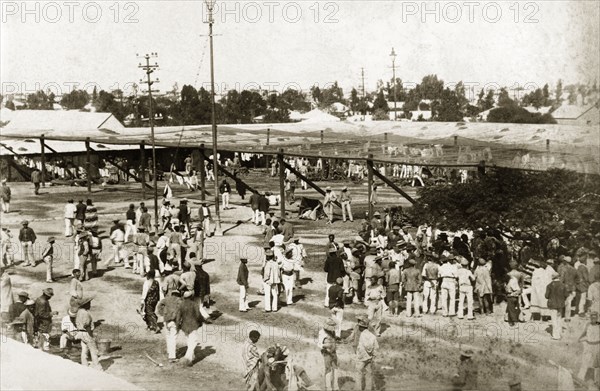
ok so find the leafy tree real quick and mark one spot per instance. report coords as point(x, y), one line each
point(380, 115)
point(448, 108)
point(431, 87)
point(277, 110)
point(315, 92)
point(559, 93)
point(380, 103)
point(94, 94)
point(295, 100)
point(39, 101)
point(488, 102)
point(504, 99)
point(354, 101)
point(461, 95)
point(534, 207)
point(331, 95)
point(75, 100)
point(399, 87)
point(518, 115)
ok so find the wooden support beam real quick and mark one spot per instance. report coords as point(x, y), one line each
point(42, 145)
point(24, 174)
point(88, 165)
point(202, 174)
point(230, 175)
point(281, 182)
point(308, 182)
point(393, 186)
point(321, 136)
point(54, 151)
point(143, 167)
point(370, 184)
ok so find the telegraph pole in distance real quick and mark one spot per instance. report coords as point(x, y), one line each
point(362, 74)
point(393, 55)
point(149, 69)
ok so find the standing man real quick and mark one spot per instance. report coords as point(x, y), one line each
point(346, 200)
point(5, 195)
point(256, 220)
point(556, 293)
point(189, 321)
point(6, 251)
point(70, 210)
point(225, 190)
point(374, 298)
point(168, 308)
point(412, 283)
point(43, 318)
point(393, 289)
point(568, 276)
point(591, 348)
point(465, 289)
point(80, 210)
point(130, 229)
point(334, 267)
point(366, 351)
point(145, 220)
point(430, 284)
point(328, 202)
point(263, 208)
point(336, 305)
point(287, 275)
point(36, 179)
point(27, 238)
point(286, 229)
point(483, 286)
point(91, 215)
point(271, 282)
point(251, 359)
point(204, 215)
point(117, 238)
point(448, 274)
point(48, 257)
point(327, 343)
point(242, 281)
point(583, 284)
point(184, 215)
point(85, 333)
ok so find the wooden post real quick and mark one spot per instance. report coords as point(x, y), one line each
point(481, 168)
point(281, 182)
point(202, 173)
point(385, 142)
point(321, 136)
point(143, 167)
point(547, 144)
point(455, 141)
point(88, 165)
point(268, 136)
point(370, 183)
point(43, 147)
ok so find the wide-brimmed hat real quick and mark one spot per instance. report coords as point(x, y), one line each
point(482, 261)
point(412, 261)
point(25, 222)
point(160, 231)
point(328, 188)
point(48, 292)
point(344, 188)
point(401, 244)
point(330, 325)
point(18, 320)
point(187, 294)
point(268, 253)
point(363, 322)
point(23, 294)
point(555, 276)
point(331, 249)
point(243, 259)
point(51, 239)
point(464, 262)
point(29, 302)
point(377, 213)
point(395, 227)
point(72, 311)
point(568, 259)
point(467, 353)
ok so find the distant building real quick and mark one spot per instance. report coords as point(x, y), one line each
point(578, 115)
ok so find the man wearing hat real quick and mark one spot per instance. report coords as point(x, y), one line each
point(43, 318)
point(168, 308)
point(366, 351)
point(556, 293)
point(5, 195)
point(205, 218)
point(142, 240)
point(465, 289)
point(225, 190)
point(130, 227)
point(85, 333)
point(189, 320)
point(328, 203)
point(68, 328)
point(327, 343)
point(483, 286)
point(48, 257)
point(288, 275)
point(334, 267)
point(70, 211)
point(298, 257)
point(448, 274)
point(568, 276)
point(24, 323)
point(27, 238)
point(467, 375)
point(117, 238)
point(336, 305)
point(18, 306)
point(374, 297)
point(393, 289)
point(346, 200)
point(271, 281)
point(82, 252)
point(412, 283)
point(591, 348)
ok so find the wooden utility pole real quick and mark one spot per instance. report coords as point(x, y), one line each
point(202, 173)
point(88, 165)
point(393, 55)
point(370, 183)
point(362, 74)
point(149, 69)
point(321, 136)
point(43, 150)
point(281, 182)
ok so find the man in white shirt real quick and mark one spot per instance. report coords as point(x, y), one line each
point(70, 210)
point(448, 274)
point(328, 202)
point(117, 237)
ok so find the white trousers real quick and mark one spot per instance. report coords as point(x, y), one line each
point(243, 299)
point(271, 296)
point(288, 285)
point(171, 337)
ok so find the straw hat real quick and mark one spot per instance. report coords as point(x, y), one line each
point(467, 353)
point(330, 325)
point(48, 292)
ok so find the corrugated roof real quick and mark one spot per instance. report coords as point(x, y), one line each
point(61, 123)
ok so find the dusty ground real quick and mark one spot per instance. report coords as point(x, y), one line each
point(415, 354)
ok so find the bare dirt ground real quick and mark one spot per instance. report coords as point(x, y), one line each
point(415, 353)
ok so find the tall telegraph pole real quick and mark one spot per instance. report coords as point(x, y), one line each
point(362, 74)
point(149, 69)
point(210, 4)
point(393, 55)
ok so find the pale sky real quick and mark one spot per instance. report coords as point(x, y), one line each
point(273, 43)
